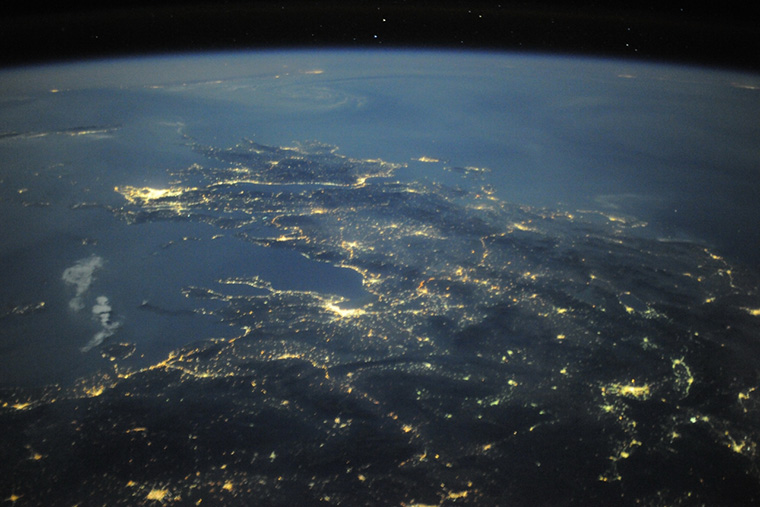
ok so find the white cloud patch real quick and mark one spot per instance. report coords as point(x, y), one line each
point(81, 276)
point(101, 311)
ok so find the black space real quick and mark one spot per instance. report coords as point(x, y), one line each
point(723, 35)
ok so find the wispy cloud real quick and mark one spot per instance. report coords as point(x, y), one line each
point(101, 311)
point(81, 276)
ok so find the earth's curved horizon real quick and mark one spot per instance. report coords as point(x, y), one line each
point(399, 278)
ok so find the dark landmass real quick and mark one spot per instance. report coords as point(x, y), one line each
point(502, 355)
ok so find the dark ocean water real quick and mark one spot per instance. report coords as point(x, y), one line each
point(505, 327)
point(675, 147)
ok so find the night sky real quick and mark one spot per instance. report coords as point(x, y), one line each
point(689, 32)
